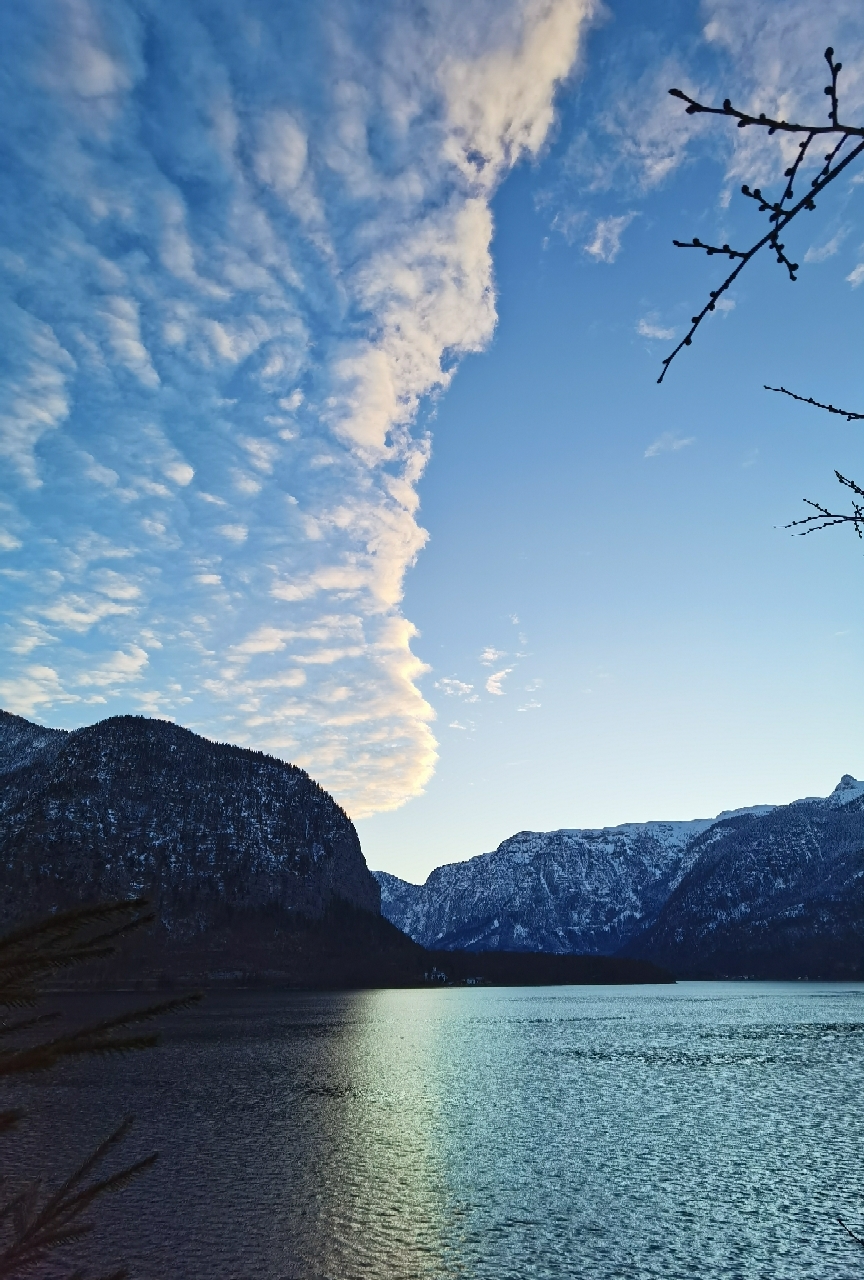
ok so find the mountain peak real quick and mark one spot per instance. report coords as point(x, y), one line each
point(848, 788)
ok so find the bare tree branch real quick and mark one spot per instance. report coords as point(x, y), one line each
point(780, 212)
point(825, 519)
point(829, 408)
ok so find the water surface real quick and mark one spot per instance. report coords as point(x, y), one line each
point(703, 1130)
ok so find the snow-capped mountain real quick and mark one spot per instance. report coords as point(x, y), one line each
point(777, 895)
point(673, 892)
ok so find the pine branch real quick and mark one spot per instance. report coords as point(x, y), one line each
point(35, 1227)
point(780, 214)
point(65, 924)
point(38, 1231)
point(94, 1038)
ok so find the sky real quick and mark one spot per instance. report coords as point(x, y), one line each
point(329, 416)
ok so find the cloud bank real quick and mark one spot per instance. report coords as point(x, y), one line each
point(243, 244)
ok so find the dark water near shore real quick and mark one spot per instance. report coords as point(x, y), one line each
point(704, 1130)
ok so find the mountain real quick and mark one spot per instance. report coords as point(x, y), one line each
point(772, 896)
point(773, 891)
point(254, 872)
point(133, 806)
point(559, 891)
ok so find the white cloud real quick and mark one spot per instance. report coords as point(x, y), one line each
point(490, 656)
point(820, 253)
point(34, 396)
point(8, 541)
point(649, 328)
point(668, 442)
point(777, 63)
point(493, 684)
point(856, 276)
point(78, 613)
point(180, 472)
point(309, 258)
point(772, 62)
point(120, 668)
point(122, 321)
point(457, 689)
point(33, 688)
point(605, 244)
point(234, 532)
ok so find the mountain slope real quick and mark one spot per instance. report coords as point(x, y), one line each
point(773, 891)
point(559, 891)
point(137, 806)
point(776, 896)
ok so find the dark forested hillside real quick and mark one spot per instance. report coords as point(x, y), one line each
point(138, 806)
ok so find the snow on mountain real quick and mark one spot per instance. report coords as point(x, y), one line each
point(559, 891)
point(604, 891)
point(773, 896)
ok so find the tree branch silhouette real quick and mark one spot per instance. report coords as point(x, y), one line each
point(780, 212)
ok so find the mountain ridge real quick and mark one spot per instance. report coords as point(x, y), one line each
point(605, 891)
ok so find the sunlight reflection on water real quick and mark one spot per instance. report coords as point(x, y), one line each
point(710, 1130)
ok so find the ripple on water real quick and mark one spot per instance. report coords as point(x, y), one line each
point(704, 1130)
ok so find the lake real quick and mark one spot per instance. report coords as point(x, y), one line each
point(701, 1130)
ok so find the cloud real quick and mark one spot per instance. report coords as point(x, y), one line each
point(225, 300)
point(33, 688)
point(668, 443)
point(648, 328)
point(820, 253)
point(233, 532)
point(530, 706)
point(490, 656)
point(120, 668)
point(34, 376)
point(605, 244)
point(856, 276)
point(777, 67)
point(764, 57)
point(493, 684)
point(457, 689)
point(639, 134)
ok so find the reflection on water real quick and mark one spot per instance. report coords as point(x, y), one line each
point(710, 1130)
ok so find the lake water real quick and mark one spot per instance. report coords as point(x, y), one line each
point(703, 1130)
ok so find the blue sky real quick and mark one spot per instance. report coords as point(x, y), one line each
point(329, 419)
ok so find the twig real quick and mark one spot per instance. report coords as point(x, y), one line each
point(829, 408)
point(825, 519)
point(779, 213)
